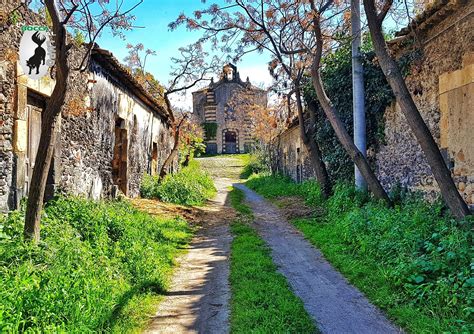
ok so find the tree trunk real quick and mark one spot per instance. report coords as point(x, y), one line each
point(309, 140)
point(49, 121)
point(403, 97)
point(338, 126)
point(358, 98)
point(174, 150)
point(187, 158)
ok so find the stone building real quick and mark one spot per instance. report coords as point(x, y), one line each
point(111, 131)
point(227, 130)
point(440, 44)
point(294, 160)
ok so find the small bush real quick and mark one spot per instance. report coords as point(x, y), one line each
point(189, 186)
point(95, 265)
point(255, 164)
point(413, 260)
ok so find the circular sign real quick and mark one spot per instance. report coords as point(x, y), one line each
point(36, 51)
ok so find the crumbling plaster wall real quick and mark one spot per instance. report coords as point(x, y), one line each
point(88, 139)
point(401, 160)
point(84, 148)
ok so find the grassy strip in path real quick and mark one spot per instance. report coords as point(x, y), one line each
point(262, 301)
point(413, 261)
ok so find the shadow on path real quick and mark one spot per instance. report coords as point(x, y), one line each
point(198, 299)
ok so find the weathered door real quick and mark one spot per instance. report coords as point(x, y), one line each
point(154, 159)
point(230, 138)
point(120, 160)
point(34, 134)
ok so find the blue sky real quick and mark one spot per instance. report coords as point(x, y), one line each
point(154, 16)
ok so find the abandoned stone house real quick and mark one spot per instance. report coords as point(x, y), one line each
point(442, 85)
point(111, 131)
point(227, 130)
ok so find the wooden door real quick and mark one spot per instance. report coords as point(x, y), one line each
point(230, 142)
point(120, 159)
point(34, 135)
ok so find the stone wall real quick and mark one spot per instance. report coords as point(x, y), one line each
point(11, 144)
point(88, 139)
point(439, 49)
point(441, 81)
point(84, 150)
point(294, 159)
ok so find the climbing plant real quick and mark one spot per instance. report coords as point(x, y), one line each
point(337, 78)
point(210, 130)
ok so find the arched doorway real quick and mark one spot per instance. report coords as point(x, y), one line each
point(230, 142)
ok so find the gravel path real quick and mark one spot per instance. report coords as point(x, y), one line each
point(198, 300)
point(334, 304)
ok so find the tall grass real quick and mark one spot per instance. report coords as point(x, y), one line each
point(413, 260)
point(189, 186)
point(99, 267)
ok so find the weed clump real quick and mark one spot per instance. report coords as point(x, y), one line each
point(189, 186)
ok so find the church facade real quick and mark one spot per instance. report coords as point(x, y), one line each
point(226, 122)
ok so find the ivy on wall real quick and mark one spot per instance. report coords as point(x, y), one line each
point(210, 130)
point(337, 77)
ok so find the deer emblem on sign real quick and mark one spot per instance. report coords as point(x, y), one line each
point(40, 53)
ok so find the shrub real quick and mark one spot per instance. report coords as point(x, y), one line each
point(93, 259)
point(418, 257)
point(255, 164)
point(189, 186)
point(149, 186)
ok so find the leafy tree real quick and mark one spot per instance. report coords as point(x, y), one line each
point(336, 75)
point(191, 140)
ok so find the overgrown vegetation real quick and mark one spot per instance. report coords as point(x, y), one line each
point(210, 130)
point(189, 186)
point(337, 78)
point(414, 260)
point(99, 267)
point(262, 301)
point(254, 164)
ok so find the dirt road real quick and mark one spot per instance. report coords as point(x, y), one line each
point(198, 300)
point(335, 305)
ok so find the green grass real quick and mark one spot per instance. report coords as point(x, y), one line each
point(253, 164)
point(189, 186)
point(414, 261)
point(262, 301)
point(100, 267)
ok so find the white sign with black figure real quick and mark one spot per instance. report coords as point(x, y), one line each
point(36, 51)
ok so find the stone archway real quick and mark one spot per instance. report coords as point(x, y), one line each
point(230, 141)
